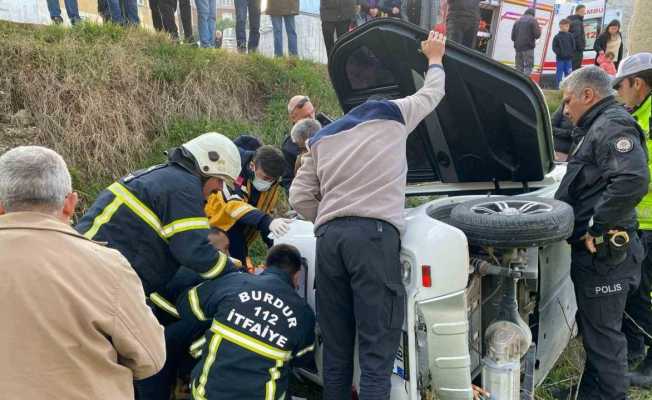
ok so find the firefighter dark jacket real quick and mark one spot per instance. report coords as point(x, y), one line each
point(155, 218)
point(256, 327)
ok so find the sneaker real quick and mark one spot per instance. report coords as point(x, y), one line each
point(57, 20)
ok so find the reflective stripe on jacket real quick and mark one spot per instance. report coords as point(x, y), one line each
point(155, 218)
point(254, 325)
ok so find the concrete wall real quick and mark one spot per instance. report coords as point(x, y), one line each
point(310, 39)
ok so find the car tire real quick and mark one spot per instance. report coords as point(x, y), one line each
point(509, 222)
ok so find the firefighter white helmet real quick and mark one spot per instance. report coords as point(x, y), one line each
point(216, 156)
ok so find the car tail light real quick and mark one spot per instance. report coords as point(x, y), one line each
point(426, 281)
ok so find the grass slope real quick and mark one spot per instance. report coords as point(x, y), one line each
point(112, 100)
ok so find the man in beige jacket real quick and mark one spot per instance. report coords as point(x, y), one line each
point(75, 322)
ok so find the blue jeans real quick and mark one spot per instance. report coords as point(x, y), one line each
point(206, 15)
point(72, 9)
point(277, 25)
point(564, 68)
point(131, 9)
point(252, 7)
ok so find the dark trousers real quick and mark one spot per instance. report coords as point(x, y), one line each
point(163, 16)
point(601, 289)
point(525, 61)
point(577, 60)
point(639, 306)
point(462, 30)
point(329, 29)
point(359, 290)
point(252, 8)
point(178, 362)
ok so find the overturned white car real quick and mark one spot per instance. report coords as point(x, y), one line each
point(485, 264)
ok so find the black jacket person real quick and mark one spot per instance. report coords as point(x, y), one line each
point(462, 21)
point(255, 328)
point(577, 30)
point(606, 177)
point(155, 217)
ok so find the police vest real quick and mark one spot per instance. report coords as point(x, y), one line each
point(644, 209)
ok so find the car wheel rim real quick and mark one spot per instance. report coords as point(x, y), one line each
point(511, 207)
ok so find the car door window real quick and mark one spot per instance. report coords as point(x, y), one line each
point(364, 70)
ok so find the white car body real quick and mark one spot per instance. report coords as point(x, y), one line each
point(445, 305)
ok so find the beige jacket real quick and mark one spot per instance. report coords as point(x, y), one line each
point(74, 320)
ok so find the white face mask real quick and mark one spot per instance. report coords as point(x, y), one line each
point(262, 185)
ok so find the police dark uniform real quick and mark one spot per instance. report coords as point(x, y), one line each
point(256, 326)
point(155, 218)
point(606, 177)
point(246, 213)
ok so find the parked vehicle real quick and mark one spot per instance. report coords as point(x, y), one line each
point(484, 263)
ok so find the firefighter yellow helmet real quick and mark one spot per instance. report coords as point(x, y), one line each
point(216, 156)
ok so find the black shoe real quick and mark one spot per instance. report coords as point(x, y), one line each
point(57, 20)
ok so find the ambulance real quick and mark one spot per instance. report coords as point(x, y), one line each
point(497, 18)
point(597, 16)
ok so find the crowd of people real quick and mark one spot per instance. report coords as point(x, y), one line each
point(568, 44)
point(338, 17)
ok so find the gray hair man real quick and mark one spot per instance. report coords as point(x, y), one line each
point(607, 176)
point(299, 107)
point(301, 132)
point(77, 308)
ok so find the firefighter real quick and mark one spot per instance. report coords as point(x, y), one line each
point(256, 328)
point(155, 217)
point(607, 176)
point(246, 214)
point(634, 85)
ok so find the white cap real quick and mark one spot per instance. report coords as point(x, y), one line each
point(632, 65)
point(216, 156)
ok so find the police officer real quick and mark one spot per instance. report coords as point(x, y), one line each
point(256, 327)
point(246, 213)
point(607, 175)
point(155, 217)
point(634, 85)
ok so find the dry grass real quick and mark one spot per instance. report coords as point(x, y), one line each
point(106, 98)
